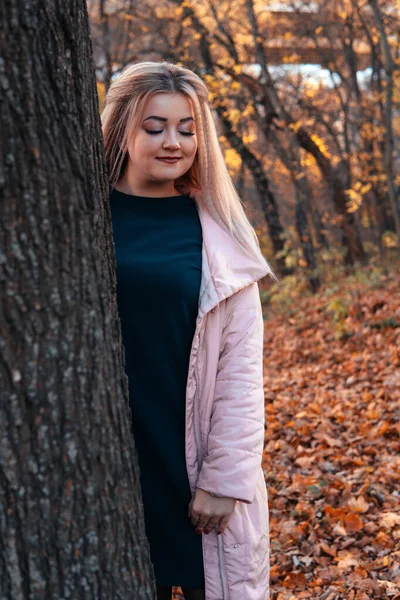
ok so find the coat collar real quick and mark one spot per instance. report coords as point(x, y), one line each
point(226, 268)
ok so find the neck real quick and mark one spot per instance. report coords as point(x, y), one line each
point(153, 189)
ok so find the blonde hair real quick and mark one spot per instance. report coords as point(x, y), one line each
point(122, 115)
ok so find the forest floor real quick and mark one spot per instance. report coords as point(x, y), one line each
point(332, 450)
point(332, 442)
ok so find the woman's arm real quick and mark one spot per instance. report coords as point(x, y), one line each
point(236, 439)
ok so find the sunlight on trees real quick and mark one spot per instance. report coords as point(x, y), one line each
point(306, 89)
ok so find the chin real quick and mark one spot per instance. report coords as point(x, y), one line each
point(170, 174)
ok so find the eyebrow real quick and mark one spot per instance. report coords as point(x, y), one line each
point(165, 120)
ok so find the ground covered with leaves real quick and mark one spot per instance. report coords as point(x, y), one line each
point(332, 451)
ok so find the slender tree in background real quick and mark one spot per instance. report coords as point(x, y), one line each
point(71, 514)
point(388, 114)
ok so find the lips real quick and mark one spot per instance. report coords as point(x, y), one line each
point(169, 160)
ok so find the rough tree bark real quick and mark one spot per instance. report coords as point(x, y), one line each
point(71, 514)
point(389, 136)
point(105, 30)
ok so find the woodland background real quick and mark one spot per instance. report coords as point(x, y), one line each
point(306, 100)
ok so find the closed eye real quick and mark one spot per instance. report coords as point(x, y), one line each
point(161, 130)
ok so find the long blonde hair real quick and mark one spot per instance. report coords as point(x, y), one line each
point(121, 117)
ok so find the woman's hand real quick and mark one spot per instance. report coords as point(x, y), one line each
point(206, 510)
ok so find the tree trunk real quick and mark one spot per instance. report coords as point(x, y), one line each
point(267, 198)
point(305, 239)
point(290, 157)
point(106, 43)
point(71, 509)
point(389, 136)
point(317, 226)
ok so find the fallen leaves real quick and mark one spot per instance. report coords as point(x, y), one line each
point(332, 450)
point(390, 520)
point(358, 505)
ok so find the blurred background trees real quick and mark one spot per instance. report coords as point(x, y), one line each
point(307, 107)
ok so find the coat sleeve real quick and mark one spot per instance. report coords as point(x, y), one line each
point(236, 439)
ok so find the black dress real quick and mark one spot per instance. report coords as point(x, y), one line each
point(158, 245)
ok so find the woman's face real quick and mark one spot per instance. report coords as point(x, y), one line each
point(165, 144)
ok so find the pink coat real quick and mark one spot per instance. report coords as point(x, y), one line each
point(225, 415)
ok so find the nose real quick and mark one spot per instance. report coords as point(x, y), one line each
point(171, 141)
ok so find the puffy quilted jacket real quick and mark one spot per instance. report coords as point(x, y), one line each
point(225, 415)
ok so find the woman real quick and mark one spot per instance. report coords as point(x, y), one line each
point(188, 262)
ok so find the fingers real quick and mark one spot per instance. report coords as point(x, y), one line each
point(223, 522)
point(206, 512)
point(211, 524)
point(204, 523)
point(199, 520)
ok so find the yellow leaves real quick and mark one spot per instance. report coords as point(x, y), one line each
point(248, 139)
point(234, 116)
point(390, 239)
point(322, 147)
point(342, 14)
point(291, 58)
point(354, 202)
point(295, 126)
point(364, 188)
point(355, 195)
point(248, 111)
point(372, 131)
point(232, 159)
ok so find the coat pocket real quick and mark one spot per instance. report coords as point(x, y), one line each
point(235, 557)
point(235, 551)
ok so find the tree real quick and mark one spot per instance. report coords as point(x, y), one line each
point(71, 514)
point(389, 136)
